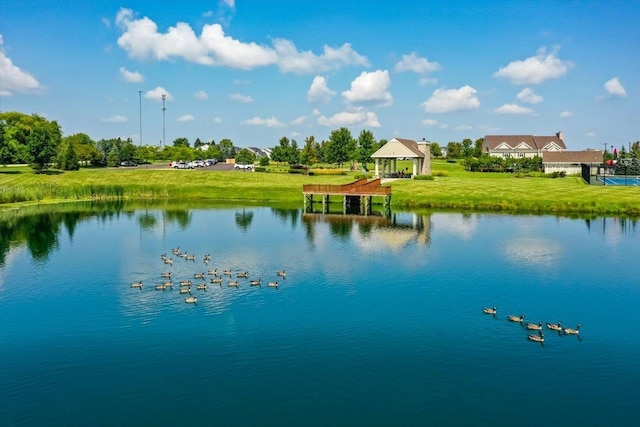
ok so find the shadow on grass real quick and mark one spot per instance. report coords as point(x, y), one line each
point(49, 172)
point(9, 172)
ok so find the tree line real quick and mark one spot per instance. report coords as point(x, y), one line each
point(34, 140)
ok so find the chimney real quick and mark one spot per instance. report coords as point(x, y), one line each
point(425, 148)
point(560, 135)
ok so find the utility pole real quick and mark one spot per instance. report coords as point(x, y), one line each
point(164, 97)
point(140, 104)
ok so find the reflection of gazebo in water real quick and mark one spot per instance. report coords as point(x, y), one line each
point(394, 232)
point(399, 148)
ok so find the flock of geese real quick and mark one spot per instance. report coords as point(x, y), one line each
point(231, 278)
point(539, 337)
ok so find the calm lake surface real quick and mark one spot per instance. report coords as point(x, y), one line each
point(377, 323)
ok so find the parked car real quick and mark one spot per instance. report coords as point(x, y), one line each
point(128, 163)
point(182, 165)
point(245, 167)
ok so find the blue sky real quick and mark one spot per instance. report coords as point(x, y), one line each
point(254, 71)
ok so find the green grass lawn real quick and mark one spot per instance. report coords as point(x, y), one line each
point(457, 190)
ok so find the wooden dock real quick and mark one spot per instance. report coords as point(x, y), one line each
point(356, 194)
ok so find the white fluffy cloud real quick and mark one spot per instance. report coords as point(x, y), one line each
point(370, 88)
point(114, 119)
point(450, 100)
point(615, 88)
point(131, 76)
point(290, 60)
point(413, 62)
point(464, 127)
point(186, 118)
point(429, 122)
point(141, 40)
point(529, 96)
point(217, 120)
point(156, 94)
point(536, 69)
point(201, 95)
point(12, 78)
point(565, 114)
point(298, 121)
point(245, 99)
point(271, 122)
point(359, 117)
point(590, 134)
point(319, 92)
point(513, 109)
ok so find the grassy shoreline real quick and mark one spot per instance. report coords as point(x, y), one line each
point(458, 190)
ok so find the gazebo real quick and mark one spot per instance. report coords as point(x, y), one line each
point(399, 148)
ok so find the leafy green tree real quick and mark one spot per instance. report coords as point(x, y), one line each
point(454, 150)
point(16, 129)
point(42, 143)
point(310, 152)
point(198, 143)
point(127, 151)
point(293, 157)
point(67, 158)
point(365, 148)
point(245, 157)
point(479, 143)
point(181, 142)
point(436, 150)
point(227, 149)
point(147, 153)
point(340, 146)
point(84, 147)
point(467, 148)
point(213, 152)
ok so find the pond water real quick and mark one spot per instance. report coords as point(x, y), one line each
point(378, 322)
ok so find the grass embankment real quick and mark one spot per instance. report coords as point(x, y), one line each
point(457, 190)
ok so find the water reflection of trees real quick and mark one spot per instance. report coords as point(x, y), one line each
point(39, 228)
point(244, 219)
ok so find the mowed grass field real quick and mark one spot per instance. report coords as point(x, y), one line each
point(459, 189)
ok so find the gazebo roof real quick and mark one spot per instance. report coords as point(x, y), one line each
point(398, 148)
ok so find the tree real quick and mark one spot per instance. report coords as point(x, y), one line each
point(479, 144)
point(42, 143)
point(454, 150)
point(213, 152)
point(85, 148)
point(366, 144)
point(340, 146)
point(280, 153)
point(245, 157)
point(310, 152)
point(435, 149)
point(181, 142)
point(16, 129)
point(467, 148)
point(227, 149)
point(293, 157)
point(198, 143)
point(67, 158)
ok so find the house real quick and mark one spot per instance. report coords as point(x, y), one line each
point(570, 162)
point(520, 146)
point(259, 152)
point(399, 148)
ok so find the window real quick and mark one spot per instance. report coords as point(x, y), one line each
point(521, 155)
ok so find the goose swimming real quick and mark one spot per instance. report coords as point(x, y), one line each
point(256, 282)
point(571, 331)
point(191, 300)
point(137, 284)
point(282, 274)
point(513, 318)
point(273, 285)
point(536, 338)
point(555, 327)
point(534, 327)
point(488, 310)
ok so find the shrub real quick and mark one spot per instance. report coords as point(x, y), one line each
point(299, 171)
point(328, 172)
point(425, 177)
point(264, 161)
point(260, 168)
point(557, 174)
point(438, 173)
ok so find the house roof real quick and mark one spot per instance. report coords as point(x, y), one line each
point(399, 148)
point(585, 156)
point(524, 142)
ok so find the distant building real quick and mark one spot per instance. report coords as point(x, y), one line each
point(259, 152)
point(570, 162)
point(520, 146)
